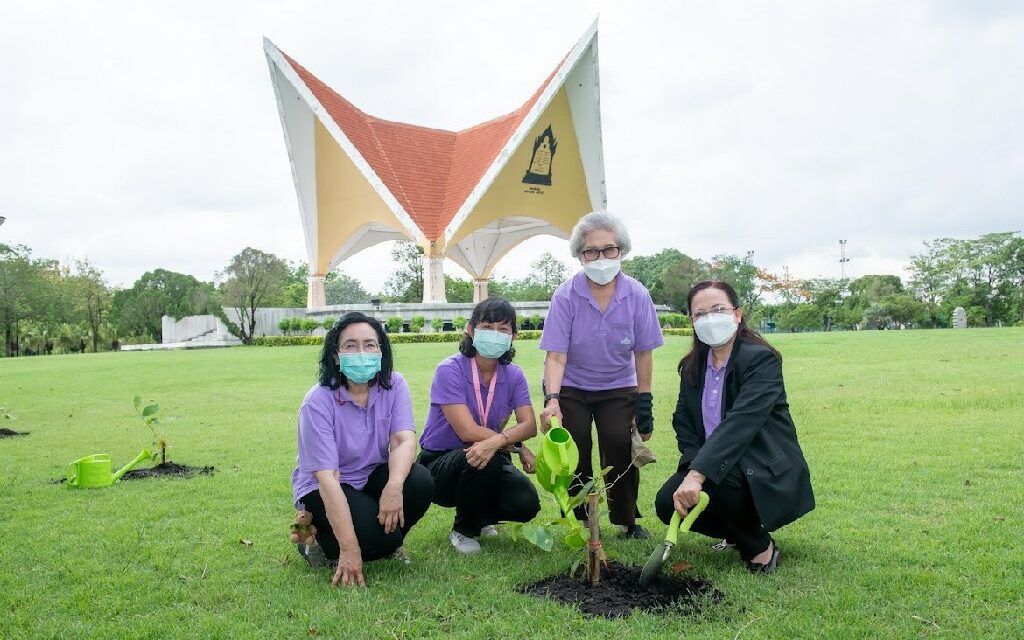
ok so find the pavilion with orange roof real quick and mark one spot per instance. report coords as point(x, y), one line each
point(469, 195)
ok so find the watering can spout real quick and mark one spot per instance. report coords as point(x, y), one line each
point(557, 464)
point(142, 457)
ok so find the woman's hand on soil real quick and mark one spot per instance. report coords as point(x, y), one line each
point(391, 515)
point(528, 459)
point(688, 493)
point(478, 455)
point(350, 569)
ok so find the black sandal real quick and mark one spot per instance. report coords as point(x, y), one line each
point(767, 567)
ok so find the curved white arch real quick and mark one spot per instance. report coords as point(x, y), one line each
point(365, 237)
point(481, 250)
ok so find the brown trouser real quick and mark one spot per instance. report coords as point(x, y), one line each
point(612, 412)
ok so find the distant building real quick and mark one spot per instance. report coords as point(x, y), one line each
point(469, 195)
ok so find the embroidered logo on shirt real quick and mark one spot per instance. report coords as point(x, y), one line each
point(626, 341)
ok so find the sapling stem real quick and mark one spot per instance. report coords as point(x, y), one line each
point(594, 544)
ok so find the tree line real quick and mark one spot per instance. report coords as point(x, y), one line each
point(46, 307)
point(984, 275)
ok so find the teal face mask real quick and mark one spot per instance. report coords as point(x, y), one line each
point(491, 344)
point(359, 367)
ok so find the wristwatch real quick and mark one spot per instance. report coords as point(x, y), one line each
point(548, 397)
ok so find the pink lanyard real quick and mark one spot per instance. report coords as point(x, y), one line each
point(484, 411)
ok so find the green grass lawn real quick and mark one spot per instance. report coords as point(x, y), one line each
point(915, 442)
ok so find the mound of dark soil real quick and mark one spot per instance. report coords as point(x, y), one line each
point(8, 433)
point(171, 469)
point(619, 592)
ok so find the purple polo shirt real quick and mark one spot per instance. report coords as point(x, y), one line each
point(453, 384)
point(599, 346)
point(711, 399)
point(336, 433)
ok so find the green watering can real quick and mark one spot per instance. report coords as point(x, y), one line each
point(556, 464)
point(94, 471)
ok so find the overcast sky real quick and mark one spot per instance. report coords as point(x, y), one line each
point(145, 135)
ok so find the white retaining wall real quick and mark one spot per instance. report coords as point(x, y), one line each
point(191, 327)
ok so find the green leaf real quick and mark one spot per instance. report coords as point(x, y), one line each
point(581, 497)
point(538, 536)
point(150, 410)
point(137, 401)
point(576, 565)
point(577, 539)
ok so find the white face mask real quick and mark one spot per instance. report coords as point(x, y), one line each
point(715, 329)
point(602, 271)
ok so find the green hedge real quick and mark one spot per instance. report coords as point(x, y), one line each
point(410, 338)
point(286, 341)
point(677, 332)
point(396, 338)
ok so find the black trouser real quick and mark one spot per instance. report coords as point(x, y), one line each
point(730, 512)
point(497, 493)
point(364, 507)
point(611, 412)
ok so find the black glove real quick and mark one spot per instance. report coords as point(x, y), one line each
point(644, 412)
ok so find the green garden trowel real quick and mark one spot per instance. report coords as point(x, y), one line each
point(556, 464)
point(660, 555)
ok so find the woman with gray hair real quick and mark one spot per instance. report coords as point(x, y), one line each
point(600, 334)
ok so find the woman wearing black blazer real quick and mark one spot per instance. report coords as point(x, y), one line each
point(735, 435)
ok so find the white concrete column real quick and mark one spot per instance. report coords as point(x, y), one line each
point(316, 295)
point(480, 289)
point(433, 279)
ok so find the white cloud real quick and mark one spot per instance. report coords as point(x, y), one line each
point(146, 135)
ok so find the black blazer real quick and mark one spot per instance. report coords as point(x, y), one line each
point(756, 433)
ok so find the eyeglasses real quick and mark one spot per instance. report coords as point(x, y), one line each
point(353, 346)
point(592, 254)
point(718, 308)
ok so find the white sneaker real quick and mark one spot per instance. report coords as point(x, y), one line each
point(401, 556)
point(490, 531)
point(464, 544)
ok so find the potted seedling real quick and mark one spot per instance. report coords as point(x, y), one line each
point(620, 593)
point(556, 464)
point(6, 417)
point(150, 415)
point(152, 420)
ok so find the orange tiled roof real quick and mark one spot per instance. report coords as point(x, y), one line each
point(430, 172)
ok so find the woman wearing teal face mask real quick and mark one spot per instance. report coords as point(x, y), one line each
point(465, 444)
point(357, 441)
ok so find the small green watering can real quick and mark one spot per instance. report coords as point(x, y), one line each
point(94, 471)
point(556, 464)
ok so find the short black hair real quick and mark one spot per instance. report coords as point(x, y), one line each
point(490, 310)
point(330, 374)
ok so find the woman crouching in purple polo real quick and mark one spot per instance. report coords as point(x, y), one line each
point(465, 444)
point(600, 334)
point(357, 444)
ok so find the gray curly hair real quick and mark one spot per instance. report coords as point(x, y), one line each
point(599, 220)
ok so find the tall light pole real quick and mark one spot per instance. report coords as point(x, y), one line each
point(842, 259)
